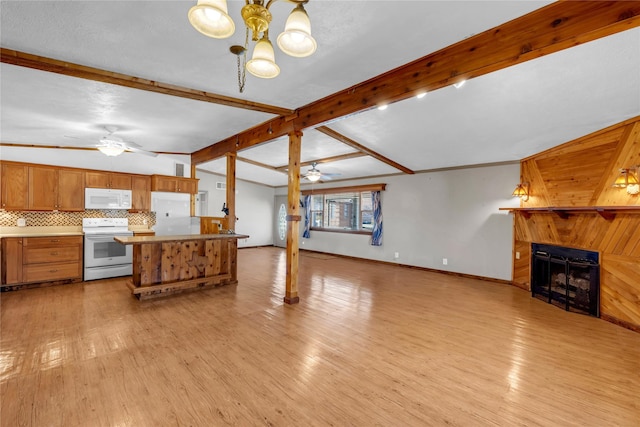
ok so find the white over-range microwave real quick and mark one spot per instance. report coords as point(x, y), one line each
point(105, 198)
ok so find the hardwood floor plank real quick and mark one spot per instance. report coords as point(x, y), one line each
point(368, 344)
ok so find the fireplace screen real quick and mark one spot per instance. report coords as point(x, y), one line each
point(566, 277)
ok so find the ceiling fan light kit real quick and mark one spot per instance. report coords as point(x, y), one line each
point(111, 150)
point(210, 18)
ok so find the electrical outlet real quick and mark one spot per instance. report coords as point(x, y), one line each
point(517, 255)
point(396, 255)
point(22, 222)
point(445, 261)
point(144, 221)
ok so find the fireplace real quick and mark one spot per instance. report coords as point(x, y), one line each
point(566, 277)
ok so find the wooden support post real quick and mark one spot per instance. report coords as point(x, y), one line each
point(192, 209)
point(231, 204)
point(293, 218)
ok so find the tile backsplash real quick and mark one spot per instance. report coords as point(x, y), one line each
point(63, 219)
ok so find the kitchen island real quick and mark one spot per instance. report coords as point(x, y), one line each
point(164, 265)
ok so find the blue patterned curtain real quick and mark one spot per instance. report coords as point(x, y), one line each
point(376, 233)
point(307, 217)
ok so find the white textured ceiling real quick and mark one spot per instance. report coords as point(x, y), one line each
point(503, 116)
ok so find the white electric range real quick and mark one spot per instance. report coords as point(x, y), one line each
point(103, 256)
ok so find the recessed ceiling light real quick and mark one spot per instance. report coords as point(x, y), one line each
point(382, 107)
point(421, 95)
point(459, 84)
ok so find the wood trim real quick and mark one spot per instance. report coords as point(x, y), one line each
point(351, 143)
point(231, 190)
point(432, 270)
point(66, 147)
point(353, 188)
point(555, 27)
point(339, 230)
point(23, 59)
point(606, 212)
point(616, 321)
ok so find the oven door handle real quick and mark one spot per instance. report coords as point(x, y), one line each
point(94, 238)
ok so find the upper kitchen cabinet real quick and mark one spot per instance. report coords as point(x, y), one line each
point(174, 184)
point(52, 188)
point(140, 193)
point(97, 179)
point(15, 186)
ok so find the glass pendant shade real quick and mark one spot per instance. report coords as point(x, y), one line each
point(296, 39)
point(111, 150)
point(210, 17)
point(625, 178)
point(263, 62)
point(313, 175)
point(521, 192)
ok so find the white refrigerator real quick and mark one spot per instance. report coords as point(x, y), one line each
point(172, 214)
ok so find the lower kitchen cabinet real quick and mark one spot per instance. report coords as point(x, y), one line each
point(40, 260)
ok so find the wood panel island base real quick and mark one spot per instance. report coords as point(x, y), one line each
point(165, 265)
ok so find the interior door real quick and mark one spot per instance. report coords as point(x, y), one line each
point(280, 226)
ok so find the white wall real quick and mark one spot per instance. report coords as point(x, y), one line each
point(254, 207)
point(449, 214)
point(92, 159)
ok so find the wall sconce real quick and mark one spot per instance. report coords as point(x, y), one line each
point(628, 178)
point(522, 191)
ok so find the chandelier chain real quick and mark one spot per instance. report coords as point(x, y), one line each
point(242, 75)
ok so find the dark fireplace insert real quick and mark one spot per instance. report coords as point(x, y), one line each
point(566, 277)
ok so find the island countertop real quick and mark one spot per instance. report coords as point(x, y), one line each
point(131, 240)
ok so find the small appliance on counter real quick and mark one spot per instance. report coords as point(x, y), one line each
point(103, 256)
point(173, 214)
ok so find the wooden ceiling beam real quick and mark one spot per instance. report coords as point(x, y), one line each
point(555, 27)
point(42, 63)
point(253, 162)
point(350, 142)
point(331, 159)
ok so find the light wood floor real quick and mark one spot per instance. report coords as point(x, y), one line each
point(368, 345)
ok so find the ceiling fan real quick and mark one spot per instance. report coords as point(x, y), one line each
point(112, 145)
point(315, 175)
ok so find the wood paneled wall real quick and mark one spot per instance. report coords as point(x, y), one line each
point(579, 174)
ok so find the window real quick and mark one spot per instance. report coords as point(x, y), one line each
point(350, 211)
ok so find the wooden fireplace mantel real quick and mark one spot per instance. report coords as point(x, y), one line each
point(607, 212)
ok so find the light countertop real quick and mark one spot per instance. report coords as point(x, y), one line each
point(125, 240)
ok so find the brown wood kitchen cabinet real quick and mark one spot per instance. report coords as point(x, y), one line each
point(32, 260)
point(53, 188)
point(15, 186)
point(174, 184)
point(98, 179)
point(11, 260)
point(140, 193)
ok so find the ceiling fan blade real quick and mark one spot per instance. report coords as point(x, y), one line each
point(140, 151)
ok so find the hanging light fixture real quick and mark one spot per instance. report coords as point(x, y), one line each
point(522, 191)
point(625, 178)
point(628, 178)
point(210, 17)
point(296, 39)
point(263, 62)
point(111, 150)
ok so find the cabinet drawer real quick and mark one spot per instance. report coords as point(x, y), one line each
point(51, 242)
point(50, 272)
point(31, 255)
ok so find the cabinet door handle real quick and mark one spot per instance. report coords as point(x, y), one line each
point(53, 271)
point(54, 240)
point(54, 253)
